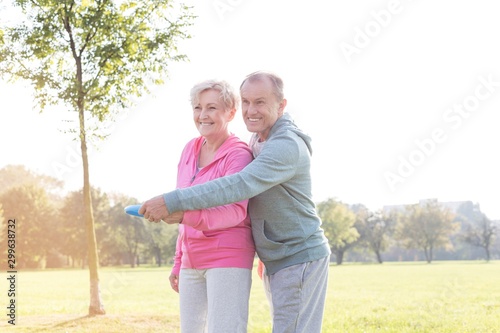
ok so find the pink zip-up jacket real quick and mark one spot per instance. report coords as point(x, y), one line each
point(219, 236)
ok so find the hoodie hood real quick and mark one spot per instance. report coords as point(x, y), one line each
point(231, 143)
point(286, 123)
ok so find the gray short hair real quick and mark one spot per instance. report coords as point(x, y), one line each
point(275, 79)
point(226, 92)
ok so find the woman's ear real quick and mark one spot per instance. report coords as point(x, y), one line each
point(231, 114)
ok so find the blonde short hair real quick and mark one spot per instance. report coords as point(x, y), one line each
point(226, 92)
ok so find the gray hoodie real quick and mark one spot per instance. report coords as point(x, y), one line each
point(285, 226)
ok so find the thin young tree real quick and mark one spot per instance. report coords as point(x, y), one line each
point(91, 57)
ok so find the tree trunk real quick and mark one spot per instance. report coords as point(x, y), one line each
point(339, 257)
point(428, 254)
point(158, 256)
point(379, 257)
point(96, 306)
point(487, 249)
point(131, 259)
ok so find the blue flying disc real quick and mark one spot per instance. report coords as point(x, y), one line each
point(133, 210)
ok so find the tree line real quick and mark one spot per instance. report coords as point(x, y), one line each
point(424, 231)
point(51, 231)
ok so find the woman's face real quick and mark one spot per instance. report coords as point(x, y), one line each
point(210, 115)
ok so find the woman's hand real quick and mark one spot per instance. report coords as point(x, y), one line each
point(174, 282)
point(174, 218)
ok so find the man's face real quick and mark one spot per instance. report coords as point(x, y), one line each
point(260, 107)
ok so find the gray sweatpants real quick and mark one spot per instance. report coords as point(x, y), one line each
point(214, 300)
point(297, 296)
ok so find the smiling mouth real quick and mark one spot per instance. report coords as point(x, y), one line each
point(205, 124)
point(253, 120)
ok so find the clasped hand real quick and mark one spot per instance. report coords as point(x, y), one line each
point(155, 210)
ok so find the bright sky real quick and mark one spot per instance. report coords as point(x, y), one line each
point(401, 99)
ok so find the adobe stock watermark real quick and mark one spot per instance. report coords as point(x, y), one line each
point(363, 36)
point(70, 162)
point(224, 6)
point(116, 285)
point(453, 118)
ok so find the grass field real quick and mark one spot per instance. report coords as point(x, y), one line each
point(392, 297)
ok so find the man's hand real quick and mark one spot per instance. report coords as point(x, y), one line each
point(155, 210)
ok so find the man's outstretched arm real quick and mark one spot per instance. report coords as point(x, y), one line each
point(273, 166)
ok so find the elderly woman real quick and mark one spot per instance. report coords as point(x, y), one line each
point(215, 250)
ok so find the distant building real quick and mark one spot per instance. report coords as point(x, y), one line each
point(456, 207)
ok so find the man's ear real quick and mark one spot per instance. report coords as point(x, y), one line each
point(281, 107)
